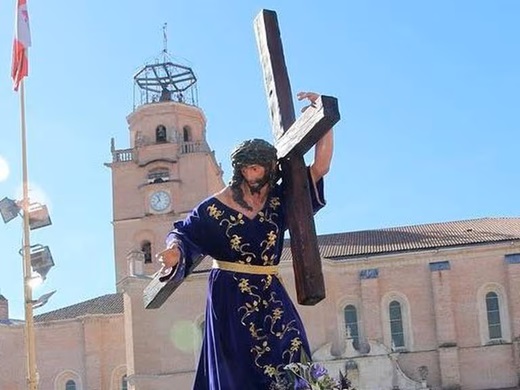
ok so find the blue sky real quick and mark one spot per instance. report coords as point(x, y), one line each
point(429, 94)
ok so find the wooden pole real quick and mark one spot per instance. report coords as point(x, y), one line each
point(32, 379)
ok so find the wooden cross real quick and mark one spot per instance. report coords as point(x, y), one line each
point(292, 140)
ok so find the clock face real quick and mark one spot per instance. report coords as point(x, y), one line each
point(160, 200)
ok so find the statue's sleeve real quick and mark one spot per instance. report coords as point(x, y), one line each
point(188, 235)
point(317, 192)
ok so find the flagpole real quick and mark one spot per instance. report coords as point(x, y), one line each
point(32, 378)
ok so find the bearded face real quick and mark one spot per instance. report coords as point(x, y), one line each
point(253, 153)
point(257, 185)
point(256, 177)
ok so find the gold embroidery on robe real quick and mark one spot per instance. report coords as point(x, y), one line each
point(273, 323)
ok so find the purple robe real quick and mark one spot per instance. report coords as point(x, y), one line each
point(252, 329)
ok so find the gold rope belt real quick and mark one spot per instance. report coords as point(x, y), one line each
point(246, 268)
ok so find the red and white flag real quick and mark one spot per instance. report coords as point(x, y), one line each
point(21, 43)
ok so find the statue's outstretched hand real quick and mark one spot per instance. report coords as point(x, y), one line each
point(311, 96)
point(169, 258)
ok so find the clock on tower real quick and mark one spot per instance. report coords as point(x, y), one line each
point(159, 201)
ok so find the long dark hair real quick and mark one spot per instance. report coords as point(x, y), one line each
point(250, 152)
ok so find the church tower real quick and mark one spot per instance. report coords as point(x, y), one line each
point(165, 172)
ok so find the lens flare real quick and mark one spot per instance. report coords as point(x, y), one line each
point(36, 194)
point(185, 336)
point(35, 281)
point(4, 169)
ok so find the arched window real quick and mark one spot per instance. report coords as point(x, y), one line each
point(70, 385)
point(160, 134)
point(493, 316)
point(396, 324)
point(67, 380)
point(396, 319)
point(146, 248)
point(351, 323)
point(186, 134)
point(118, 379)
point(494, 323)
point(124, 383)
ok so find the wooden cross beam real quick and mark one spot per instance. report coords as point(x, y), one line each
point(292, 140)
point(162, 286)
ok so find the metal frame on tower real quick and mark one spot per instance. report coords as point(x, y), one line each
point(165, 80)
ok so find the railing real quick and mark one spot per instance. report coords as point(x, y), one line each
point(193, 147)
point(122, 155)
point(126, 155)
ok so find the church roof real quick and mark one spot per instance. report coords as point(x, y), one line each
point(415, 238)
point(106, 304)
point(346, 245)
point(9, 322)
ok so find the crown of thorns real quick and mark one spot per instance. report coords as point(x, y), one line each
point(254, 151)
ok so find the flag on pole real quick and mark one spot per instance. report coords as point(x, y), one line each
point(21, 43)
